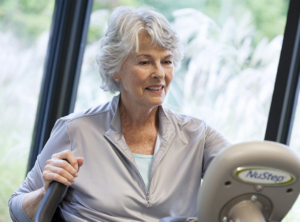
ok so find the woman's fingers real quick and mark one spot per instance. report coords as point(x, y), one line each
point(62, 164)
point(60, 171)
point(68, 155)
point(80, 162)
point(48, 176)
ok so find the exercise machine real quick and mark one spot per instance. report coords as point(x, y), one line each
point(246, 182)
point(250, 182)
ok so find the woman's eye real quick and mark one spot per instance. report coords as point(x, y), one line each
point(168, 62)
point(144, 62)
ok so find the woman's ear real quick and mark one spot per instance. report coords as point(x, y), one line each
point(117, 77)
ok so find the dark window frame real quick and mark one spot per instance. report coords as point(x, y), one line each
point(65, 51)
point(286, 89)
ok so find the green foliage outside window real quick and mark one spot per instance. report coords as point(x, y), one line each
point(24, 26)
point(28, 18)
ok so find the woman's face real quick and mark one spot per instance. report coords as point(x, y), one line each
point(145, 76)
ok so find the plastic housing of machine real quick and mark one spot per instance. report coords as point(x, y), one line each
point(252, 181)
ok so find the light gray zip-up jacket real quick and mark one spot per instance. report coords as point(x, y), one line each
point(109, 186)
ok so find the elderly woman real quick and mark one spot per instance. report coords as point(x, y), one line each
point(138, 160)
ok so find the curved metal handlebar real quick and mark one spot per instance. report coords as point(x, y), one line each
point(50, 201)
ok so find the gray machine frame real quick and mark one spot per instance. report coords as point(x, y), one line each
point(227, 197)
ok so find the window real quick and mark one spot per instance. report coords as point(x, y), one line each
point(227, 77)
point(24, 31)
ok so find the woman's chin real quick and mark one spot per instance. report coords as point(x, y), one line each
point(156, 101)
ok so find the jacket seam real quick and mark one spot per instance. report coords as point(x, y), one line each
point(29, 185)
point(87, 115)
point(71, 144)
point(14, 218)
point(169, 113)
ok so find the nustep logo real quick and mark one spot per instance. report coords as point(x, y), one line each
point(263, 175)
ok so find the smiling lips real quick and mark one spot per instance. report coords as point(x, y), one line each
point(155, 89)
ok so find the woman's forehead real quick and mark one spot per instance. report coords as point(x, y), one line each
point(147, 46)
point(152, 52)
point(164, 55)
point(144, 37)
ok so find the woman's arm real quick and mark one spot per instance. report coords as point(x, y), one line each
point(58, 170)
point(32, 202)
point(33, 181)
point(24, 203)
point(214, 142)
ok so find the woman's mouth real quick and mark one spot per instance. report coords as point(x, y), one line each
point(155, 89)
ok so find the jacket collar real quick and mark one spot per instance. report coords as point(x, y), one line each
point(114, 133)
point(115, 123)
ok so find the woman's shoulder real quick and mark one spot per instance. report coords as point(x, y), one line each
point(90, 112)
point(98, 116)
point(196, 128)
point(183, 119)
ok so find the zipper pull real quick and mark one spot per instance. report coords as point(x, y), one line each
point(147, 198)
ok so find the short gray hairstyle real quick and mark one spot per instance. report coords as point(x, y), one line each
point(121, 38)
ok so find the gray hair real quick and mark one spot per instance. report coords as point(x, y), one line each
point(121, 38)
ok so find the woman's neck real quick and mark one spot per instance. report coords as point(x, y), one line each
point(140, 127)
point(135, 116)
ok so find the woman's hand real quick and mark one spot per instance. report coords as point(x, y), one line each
point(60, 170)
point(56, 169)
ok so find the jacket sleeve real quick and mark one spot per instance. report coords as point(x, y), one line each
point(58, 141)
point(214, 142)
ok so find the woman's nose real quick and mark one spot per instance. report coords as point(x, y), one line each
point(159, 72)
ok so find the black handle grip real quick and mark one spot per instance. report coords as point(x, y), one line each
point(50, 202)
